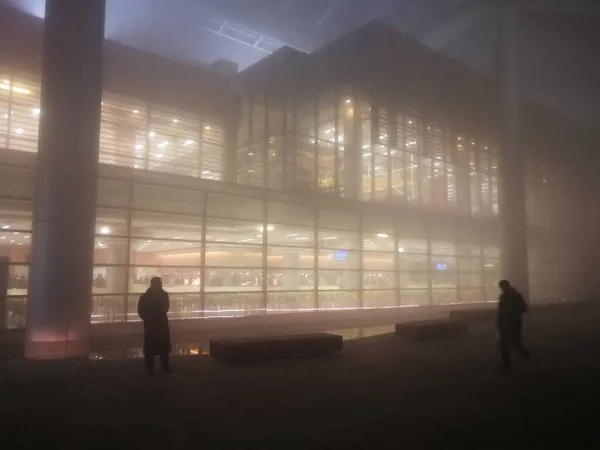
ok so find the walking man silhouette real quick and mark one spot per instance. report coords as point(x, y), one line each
point(511, 306)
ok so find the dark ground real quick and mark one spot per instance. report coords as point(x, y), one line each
point(378, 393)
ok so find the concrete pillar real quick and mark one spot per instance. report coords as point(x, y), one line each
point(117, 277)
point(59, 301)
point(511, 165)
point(352, 150)
point(230, 128)
point(4, 270)
point(290, 281)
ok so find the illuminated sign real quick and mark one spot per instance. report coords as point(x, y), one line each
point(340, 255)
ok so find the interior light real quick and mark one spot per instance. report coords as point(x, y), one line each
point(36, 111)
point(207, 127)
point(486, 147)
point(205, 172)
point(160, 155)
point(382, 235)
point(21, 90)
point(459, 138)
point(6, 116)
point(188, 142)
point(366, 154)
point(175, 120)
point(291, 235)
point(19, 131)
point(3, 237)
point(348, 101)
point(247, 240)
point(330, 238)
point(16, 232)
point(251, 153)
point(472, 143)
point(26, 237)
point(152, 134)
point(105, 230)
point(135, 111)
point(136, 166)
point(302, 238)
point(269, 228)
point(177, 237)
point(410, 121)
point(401, 249)
point(6, 227)
point(12, 241)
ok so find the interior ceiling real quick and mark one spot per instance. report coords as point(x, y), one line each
point(560, 39)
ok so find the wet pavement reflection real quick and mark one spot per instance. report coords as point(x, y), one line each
point(202, 348)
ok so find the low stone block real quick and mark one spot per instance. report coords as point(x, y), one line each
point(431, 330)
point(258, 349)
point(473, 315)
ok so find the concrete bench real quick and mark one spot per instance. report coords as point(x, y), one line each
point(473, 315)
point(430, 330)
point(268, 348)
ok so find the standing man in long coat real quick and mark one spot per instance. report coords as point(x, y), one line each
point(153, 307)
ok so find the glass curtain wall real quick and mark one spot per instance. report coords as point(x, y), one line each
point(224, 255)
point(132, 133)
point(229, 254)
point(346, 143)
point(554, 266)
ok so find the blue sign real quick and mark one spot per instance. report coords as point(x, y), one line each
point(441, 266)
point(340, 255)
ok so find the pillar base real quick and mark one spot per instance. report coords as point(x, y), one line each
point(57, 349)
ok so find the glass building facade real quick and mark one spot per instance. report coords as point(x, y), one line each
point(341, 199)
point(349, 144)
point(227, 251)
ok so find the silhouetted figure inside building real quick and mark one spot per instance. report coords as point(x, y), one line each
point(511, 306)
point(100, 281)
point(152, 308)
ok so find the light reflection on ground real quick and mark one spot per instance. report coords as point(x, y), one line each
point(194, 349)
